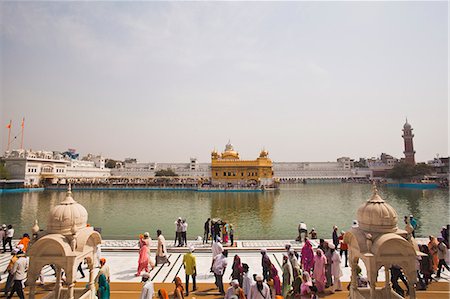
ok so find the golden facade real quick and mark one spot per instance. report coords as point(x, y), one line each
point(227, 168)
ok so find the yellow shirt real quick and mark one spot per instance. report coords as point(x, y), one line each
point(189, 263)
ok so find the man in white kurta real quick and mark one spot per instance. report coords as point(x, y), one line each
point(161, 251)
point(147, 289)
point(336, 271)
point(260, 290)
point(216, 248)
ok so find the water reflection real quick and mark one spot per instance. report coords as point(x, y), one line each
point(274, 215)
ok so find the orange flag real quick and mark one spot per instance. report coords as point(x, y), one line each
point(8, 126)
point(23, 122)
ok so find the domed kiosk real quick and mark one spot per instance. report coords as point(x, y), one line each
point(66, 243)
point(378, 242)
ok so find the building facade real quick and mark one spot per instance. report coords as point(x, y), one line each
point(228, 169)
point(36, 167)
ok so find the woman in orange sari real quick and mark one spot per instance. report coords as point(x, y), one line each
point(162, 294)
point(144, 253)
point(178, 292)
point(433, 247)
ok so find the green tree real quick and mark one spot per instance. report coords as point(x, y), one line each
point(422, 169)
point(165, 172)
point(110, 163)
point(4, 174)
point(401, 171)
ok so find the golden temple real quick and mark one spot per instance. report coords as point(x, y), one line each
point(228, 169)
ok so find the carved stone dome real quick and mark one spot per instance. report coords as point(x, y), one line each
point(263, 154)
point(377, 216)
point(68, 217)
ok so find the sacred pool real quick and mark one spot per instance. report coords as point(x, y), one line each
point(262, 215)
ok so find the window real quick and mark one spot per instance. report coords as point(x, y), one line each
point(224, 173)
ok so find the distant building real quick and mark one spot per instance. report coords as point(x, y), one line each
point(440, 166)
point(409, 146)
point(37, 167)
point(134, 169)
point(228, 168)
point(382, 165)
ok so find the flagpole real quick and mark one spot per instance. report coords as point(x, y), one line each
point(21, 140)
point(9, 135)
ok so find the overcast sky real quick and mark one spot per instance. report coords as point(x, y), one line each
point(165, 81)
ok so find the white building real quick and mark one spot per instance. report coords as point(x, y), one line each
point(192, 169)
point(35, 167)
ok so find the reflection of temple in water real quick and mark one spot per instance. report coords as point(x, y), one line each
point(245, 208)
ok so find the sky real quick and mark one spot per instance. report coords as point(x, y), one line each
point(166, 81)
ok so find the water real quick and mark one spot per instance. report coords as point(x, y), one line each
point(268, 215)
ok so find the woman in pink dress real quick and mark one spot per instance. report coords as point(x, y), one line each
point(144, 253)
point(306, 284)
point(319, 270)
point(307, 257)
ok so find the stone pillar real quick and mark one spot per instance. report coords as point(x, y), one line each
point(91, 278)
point(57, 290)
point(354, 274)
point(32, 284)
point(387, 284)
point(412, 277)
point(71, 290)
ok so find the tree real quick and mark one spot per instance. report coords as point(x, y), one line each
point(165, 172)
point(403, 170)
point(4, 174)
point(110, 163)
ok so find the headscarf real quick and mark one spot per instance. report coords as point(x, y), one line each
point(163, 293)
point(179, 284)
point(307, 256)
point(307, 278)
point(237, 265)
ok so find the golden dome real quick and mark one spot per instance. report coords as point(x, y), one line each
point(229, 152)
point(376, 215)
point(68, 217)
point(263, 154)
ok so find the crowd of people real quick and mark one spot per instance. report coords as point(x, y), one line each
point(303, 273)
point(214, 229)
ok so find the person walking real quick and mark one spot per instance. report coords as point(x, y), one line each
point(216, 248)
point(190, 268)
point(103, 287)
point(265, 263)
point(343, 248)
point(442, 252)
point(273, 276)
point(294, 263)
point(104, 269)
point(336, 271)
point(148, 289)
point(10, 278)
point(328, 254)
point(413, 223)
point(234, 291)
point(144, 253)
point(19, 272)
point(24, 241)
point(319, 273)
point(161, 251)
point(184, 226)
point(9, 237)
point(246, 280)
point(219, 265)
point(3, 237)
point(260, 290)
point(237, 270)
point(335, 237)
point(287, 276)
point(206, 230)
point(307, 256)
point(426, 264)
point(433, 248)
